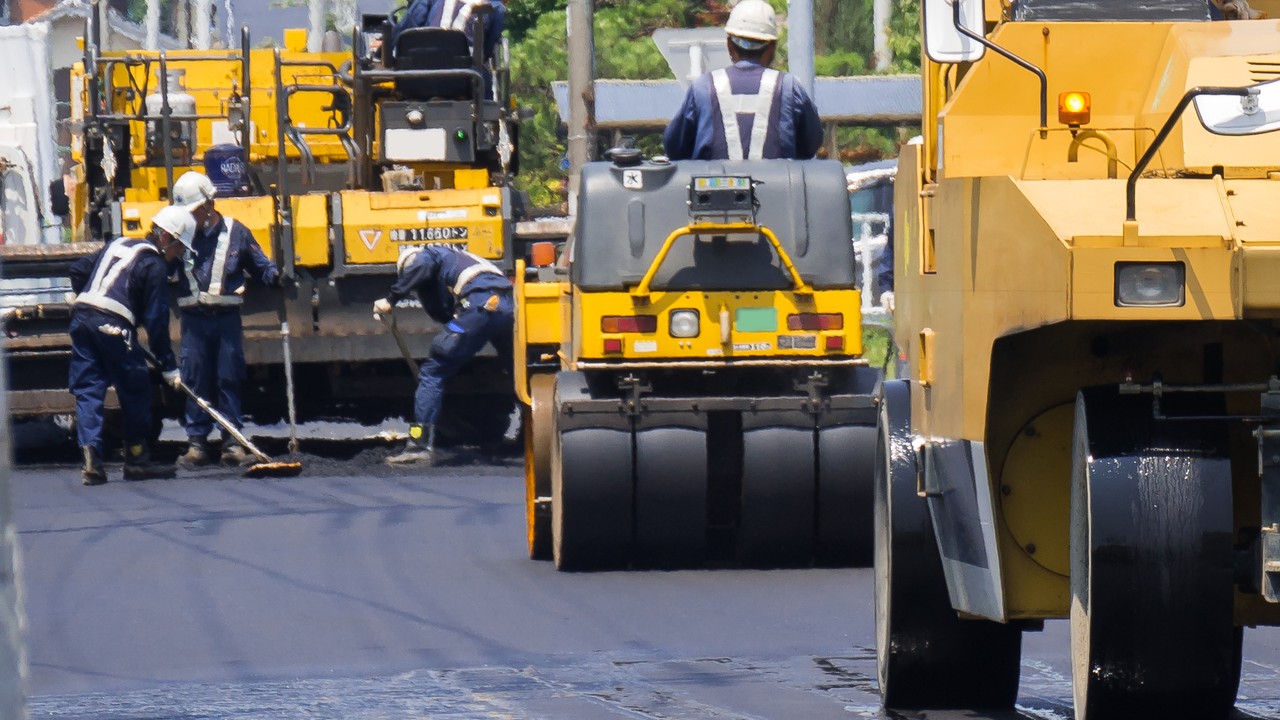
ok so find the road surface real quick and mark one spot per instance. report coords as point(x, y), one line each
point(350, 594)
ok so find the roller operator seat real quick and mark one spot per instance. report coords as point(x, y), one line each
point(432, 48)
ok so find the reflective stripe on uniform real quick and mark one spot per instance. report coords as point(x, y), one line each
point(470, 273)
point(220, 257)
point(204, 298)
point(217, 274)
point(116, 260)
point(731, 106)
point(457, 13)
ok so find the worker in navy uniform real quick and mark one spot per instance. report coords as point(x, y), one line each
point(471, 298)
point(119, 289)
point(748, 110)
point(453, 15)
point(210, 294)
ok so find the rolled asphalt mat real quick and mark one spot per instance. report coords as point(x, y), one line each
point(46, 445)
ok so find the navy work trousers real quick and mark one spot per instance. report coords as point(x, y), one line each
point(104, 353)
point(212, 359)
point(457, 343)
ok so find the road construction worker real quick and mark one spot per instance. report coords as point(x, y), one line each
point(471, 298)
point(748, 110)
point(454, 15)
point(119, 289)
point(210, 294)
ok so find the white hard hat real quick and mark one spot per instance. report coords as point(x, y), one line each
point(193, 189)
point(752, 20)
point(406, 254)
point(178, 222)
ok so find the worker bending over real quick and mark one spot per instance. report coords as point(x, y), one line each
point(748, 110)
point(210, 294)
point(471, 298)
point(119, 289)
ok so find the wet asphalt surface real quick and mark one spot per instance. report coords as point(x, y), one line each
point(354, 591)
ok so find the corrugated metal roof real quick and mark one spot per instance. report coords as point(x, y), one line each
point(650, 104)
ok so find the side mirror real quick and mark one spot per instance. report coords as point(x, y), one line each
point(1252, 114)
point(943, 41)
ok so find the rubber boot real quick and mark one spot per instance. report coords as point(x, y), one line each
point(93, 473)
point(138, 465)
point(233, 453)
point(419, 450)
point(198, 453)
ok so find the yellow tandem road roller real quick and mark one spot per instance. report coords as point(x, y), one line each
point(1088, 296)
point(705, 401)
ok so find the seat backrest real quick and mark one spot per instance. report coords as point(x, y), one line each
point(433, 49)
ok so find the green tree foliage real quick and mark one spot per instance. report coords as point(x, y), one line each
point(851, 29)
point(904, 36)
point(536, 30)
point(623, 50)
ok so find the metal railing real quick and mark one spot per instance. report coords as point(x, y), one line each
point(868, 247)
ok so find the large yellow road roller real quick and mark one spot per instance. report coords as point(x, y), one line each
point(1088, 295)
point(706, 401)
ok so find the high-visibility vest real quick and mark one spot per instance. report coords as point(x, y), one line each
point(731, 106)
point(108, 288)
point(213, 294)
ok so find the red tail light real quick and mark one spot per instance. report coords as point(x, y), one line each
point(629, 323)
point(835, 342)
point(613, 345)
point(815, 321)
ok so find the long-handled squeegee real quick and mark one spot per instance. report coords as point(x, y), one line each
point(390, 320)
point(265, 467)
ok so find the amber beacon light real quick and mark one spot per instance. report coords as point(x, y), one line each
point(1073, 108)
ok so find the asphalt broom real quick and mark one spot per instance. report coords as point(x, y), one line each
point(265, 467)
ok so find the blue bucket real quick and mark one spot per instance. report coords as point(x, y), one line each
point(225, 166)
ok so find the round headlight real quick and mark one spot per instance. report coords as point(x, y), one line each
point(415, 117)
point(684, 323)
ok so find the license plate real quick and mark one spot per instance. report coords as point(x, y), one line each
point(429, 234)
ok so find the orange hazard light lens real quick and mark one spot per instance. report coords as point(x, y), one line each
point(1074, 108)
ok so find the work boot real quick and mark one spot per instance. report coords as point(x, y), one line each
point(139, 465)
point(233, 453)
point(198, 453)
point(416, 451)
point(93, 473)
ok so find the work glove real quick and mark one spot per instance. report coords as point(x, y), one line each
point(381, 307)
point(172, 378)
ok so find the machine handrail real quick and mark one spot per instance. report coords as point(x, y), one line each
point(296, 136)
point(642, 291)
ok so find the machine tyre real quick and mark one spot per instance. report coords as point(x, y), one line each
point(591, 490)
point(671, 497)
point(846, 486)
point(1152, 630)
point(539, 436)
point(776, 525)
point(926, 656)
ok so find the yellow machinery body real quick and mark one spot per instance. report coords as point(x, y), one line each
point(328, 198)
point(1017, 246)
point(1015, 249)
